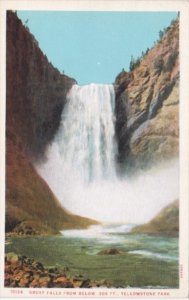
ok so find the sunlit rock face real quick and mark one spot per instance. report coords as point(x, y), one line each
point(147, 105)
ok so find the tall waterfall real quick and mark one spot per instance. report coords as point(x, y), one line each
point(86, 137)
point(81, 168)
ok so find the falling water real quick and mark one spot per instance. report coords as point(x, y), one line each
point(86, 138)
point(81, 167)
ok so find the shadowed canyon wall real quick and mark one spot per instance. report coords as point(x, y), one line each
point(36, 94)
point(36, 91)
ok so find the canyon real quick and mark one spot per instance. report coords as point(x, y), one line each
point(146, 125)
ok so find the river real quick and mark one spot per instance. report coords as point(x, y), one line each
point(145, 261)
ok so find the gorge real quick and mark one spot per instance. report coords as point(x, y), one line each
point(41, 104)
point(92, 171)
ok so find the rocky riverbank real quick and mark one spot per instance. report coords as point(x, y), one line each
point(24, 272)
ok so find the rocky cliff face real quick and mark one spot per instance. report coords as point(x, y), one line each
point(147, 105)
point(36, 93)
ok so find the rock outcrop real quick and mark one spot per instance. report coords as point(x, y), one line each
point(36, 94)
point(165, 223)
point(147, 101)
point(111, 251)
point(24, 272)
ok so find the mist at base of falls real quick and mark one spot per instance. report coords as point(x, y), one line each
point(135, 200)
point(81, 169)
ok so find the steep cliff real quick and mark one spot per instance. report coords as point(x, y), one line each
point(36, 91)
point(36, 94)
point(166, 222)
point(147, 101)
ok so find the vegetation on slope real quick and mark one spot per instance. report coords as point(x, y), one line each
point(147, 105)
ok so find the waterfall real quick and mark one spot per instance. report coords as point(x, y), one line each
point(86, 138)
point(81, 168)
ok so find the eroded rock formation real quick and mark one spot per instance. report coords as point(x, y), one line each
point(147, 105)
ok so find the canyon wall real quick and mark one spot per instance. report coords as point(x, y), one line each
point(147, 101)
point(36, 91)
point(36, 94)
point(147, 105)
point(31, 207)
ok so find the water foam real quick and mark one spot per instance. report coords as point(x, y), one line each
point(154, 255)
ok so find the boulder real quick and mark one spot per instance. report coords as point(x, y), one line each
point(11, 257)
point(112, 251)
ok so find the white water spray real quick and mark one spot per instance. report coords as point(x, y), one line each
point(81, 168)
point(86, 137)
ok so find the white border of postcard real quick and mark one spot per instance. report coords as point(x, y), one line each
point(98, 5)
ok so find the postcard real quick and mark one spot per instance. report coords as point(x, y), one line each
point(94, 149)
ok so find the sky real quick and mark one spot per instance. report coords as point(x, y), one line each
point(94, 47)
